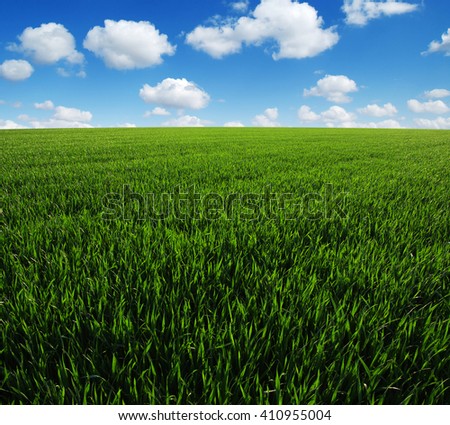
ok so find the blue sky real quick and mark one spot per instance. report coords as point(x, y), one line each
point(150, 63)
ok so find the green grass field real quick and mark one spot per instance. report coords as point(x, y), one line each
point(294, 266)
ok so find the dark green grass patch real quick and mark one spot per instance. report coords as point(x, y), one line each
point(312, 269)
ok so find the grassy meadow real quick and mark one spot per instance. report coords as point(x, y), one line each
point(225, 266)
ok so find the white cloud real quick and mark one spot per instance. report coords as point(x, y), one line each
point(24, 117)
point(62, 117)
point(387, 110)
point(267, 119)
point(439, 123)
point(158, 111)
point(333, 88)
point(360, 12)
point(66, 73)
point(48, 44)
point(382, 124)
point(295, 27)
point(10, 125)
point(240, 6)
point(176, 93)
point(72, 114)
point(128, 44)
point(185, 121)
point(55, 123)
point(233, 124)
point(306, 114)
point(46, 106)
point(431, 107)
point(16, 70)
point(337, 114)
point(437, 94)
point(443, 46)
point(127, 125)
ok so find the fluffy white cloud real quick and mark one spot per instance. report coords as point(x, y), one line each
point(127, 125)
point(431, 107)
point(439, 123)
point(443, 46)
point(337, 114)
point(48, 44)
point(158, 111)
point(72, 114)
point(62, 117)
point(128, 44)
point(388, 124)
point(185, 121)
point(334, 88)
point(233, 124)
point(16, 70)
point(306, 114)
point(9, 125)
point(240, 6)
point(55, 123)
point(46, 106)
point(295, 27)
point(176, 93)
point(437, 94)
point(267, 119)
point(387, 110)
point(360, 12)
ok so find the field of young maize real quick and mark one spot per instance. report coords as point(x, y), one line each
point(225, 266)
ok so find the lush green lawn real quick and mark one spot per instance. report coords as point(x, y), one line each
point(303, 266)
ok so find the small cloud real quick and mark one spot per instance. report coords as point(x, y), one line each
point(337, 114)
point(305, 114)
point(10, 125)
point(296, 28)
point(443, 46)
point(16, 70)
point(127, 125)
point(17, 105)
point(63, 117)
point(55, 123)
point(185, 121)
point(240, 6)
point(439, 123)
point(128, 44)
point(158, 111)
point(387, 110)
point(24, 117)
point(437, 94)
point(176, 93)
point(63, 72)
point(334, 88)
point(72, 114)
point(360, 12)
point(46, 106)
point(233, 124)
point(48, 44)
point(431, 107)
point(267, 119)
